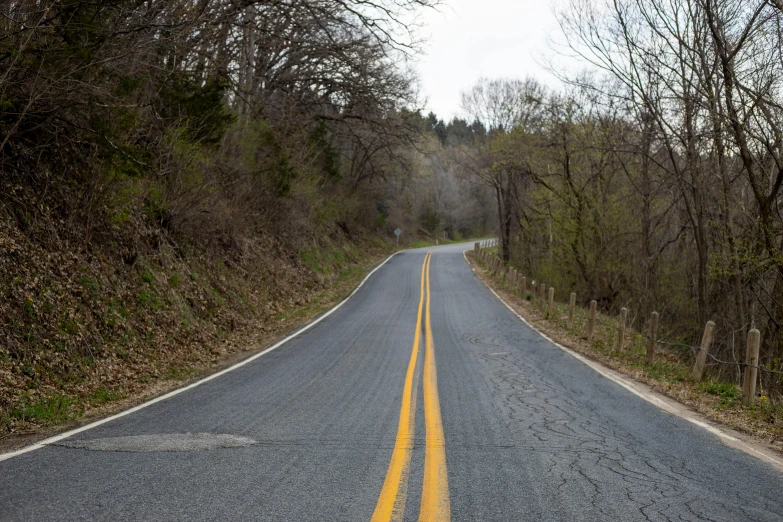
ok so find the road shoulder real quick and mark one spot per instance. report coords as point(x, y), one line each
point(728, 435)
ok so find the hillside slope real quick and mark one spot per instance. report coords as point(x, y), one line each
point(89, 327)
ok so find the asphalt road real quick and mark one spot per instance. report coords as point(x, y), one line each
point(500, 425)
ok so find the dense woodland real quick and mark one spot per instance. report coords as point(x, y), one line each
point(176, 172)
point(214, 116)
point(654, 181)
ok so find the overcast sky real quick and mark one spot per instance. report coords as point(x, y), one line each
point(469, 39)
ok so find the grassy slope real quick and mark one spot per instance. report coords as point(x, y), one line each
point(84, 332)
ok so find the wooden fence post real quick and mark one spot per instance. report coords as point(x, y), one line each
point(751, 367)
point(533, 290)
point(524, 287)
point(571, 306)
point(476, 247)
point(542, 296)
point(551, 305)
point(621, 329)
point(701, 357)
point(653, 338)
point(591, 320)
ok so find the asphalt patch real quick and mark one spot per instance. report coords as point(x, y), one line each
point(168, 442)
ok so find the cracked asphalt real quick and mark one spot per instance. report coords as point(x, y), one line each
point(531, 433)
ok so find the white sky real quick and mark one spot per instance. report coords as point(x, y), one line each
point(469, 39)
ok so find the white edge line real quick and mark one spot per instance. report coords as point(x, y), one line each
point(628, 385)
point(70, 433)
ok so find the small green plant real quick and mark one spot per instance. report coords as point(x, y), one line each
point(175, 280)
point(54, 409)
point(147, 299)
point(767, 411)
point(69, 326)
point(147, 278)
point(29, 308)
point(103, 395)
point(90, 284)
point(664, 371)
point(729, 394)
point(180, 373)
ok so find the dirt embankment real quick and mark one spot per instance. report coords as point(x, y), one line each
point(87, 328)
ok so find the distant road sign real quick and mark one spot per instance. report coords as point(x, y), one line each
point(398, 233)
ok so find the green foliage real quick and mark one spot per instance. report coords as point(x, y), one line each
point(666, 371)
point(90, 284)
point(729, 394)
point(148, 299)
point(29, 308)
point(127, 85)
point(181, 373)
point(277, 165)
point(429, 219)
point(198, 105)
point(118, 157)
point(155, 206)
point(328, 260)
point(175, 280)
point(69, 326)
point(330, 158)
point(48, 410)
point(103, 395)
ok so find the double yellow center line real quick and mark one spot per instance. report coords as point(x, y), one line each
point(435, 503)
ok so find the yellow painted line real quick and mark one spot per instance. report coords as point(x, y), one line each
point(435, 502)
point(391, 502)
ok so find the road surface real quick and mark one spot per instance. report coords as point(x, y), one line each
point(421, 398)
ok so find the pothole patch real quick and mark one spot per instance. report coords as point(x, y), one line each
point(168, 442)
